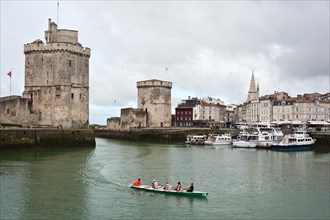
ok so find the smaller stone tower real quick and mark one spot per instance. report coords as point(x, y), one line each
point(154, 97)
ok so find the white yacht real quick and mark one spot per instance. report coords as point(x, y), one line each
point(246, 140)
point(299, 138)
point(223, 139)
point(196, 139)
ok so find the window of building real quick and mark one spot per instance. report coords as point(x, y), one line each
point(70, 63)
point(80, 96)
point(7, 110)
point(72, 95)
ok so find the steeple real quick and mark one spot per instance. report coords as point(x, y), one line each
point(253, 90)
point(252, 83)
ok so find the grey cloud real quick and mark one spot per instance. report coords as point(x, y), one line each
point(210, 48)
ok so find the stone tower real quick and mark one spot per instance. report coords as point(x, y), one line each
point(57, 79)
point(154, 97)
point(253, 91)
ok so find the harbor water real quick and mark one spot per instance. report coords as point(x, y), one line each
point(93, 183)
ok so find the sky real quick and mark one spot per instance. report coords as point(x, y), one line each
point(210, 48)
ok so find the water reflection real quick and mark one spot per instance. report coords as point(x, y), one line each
point(49, 184)
point(93, 184)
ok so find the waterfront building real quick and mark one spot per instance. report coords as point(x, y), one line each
point(252, 111)
point(266, 109)
point(184, 112)
point(240, 113)
point(56, 91)
point(304, 110)
point(230, 116)
point(201, 112)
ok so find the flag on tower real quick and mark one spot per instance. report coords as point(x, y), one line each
point(9, 74)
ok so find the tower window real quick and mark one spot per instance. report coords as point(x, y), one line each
point(42, 60)
point(72, 95)
point(80, 96)
point(70, 62)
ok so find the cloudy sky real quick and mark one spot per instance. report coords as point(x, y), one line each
point(209, 47)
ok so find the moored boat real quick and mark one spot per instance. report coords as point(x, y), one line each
point(223, 139)
point(299, 139)
point(196, 139)
point(246, 140)
point(196, 194)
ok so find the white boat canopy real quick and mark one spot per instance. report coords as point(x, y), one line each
point(298, 122)
point(319, 123)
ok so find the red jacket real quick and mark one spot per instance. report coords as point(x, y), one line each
point(137, 183)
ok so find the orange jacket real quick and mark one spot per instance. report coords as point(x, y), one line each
point(179, 188)
point(137, 183)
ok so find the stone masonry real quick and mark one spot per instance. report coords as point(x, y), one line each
point(57, 78)
point(154, 97)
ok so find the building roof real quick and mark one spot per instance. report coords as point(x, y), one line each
point(203, 103)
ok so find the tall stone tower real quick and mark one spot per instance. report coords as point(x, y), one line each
point(154, 97)
point(57, 78)
point(253, 91)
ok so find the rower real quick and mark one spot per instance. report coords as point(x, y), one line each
point(137, 182)
point(190, 188)
point(155, 184)
point(178, 187)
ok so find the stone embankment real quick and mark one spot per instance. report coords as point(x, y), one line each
point(23, 138)
point(321, 138)
point(179, 135)
point(158, 135)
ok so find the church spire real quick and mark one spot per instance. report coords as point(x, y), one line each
point(253, 90)
point(252, 83)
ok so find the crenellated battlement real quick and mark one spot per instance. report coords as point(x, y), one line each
point(52, 47)
point(154, 83)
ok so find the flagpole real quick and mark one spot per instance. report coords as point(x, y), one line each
point(10, 86)
point(114, 107)
point(165, 72)
point(0, 85)
point(10, 83)
point(58, 6)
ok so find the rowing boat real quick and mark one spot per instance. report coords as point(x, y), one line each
point(197, 194)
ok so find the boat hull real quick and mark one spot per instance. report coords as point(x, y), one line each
point(292, 148)
point(195, 194)
point(244, 144)
point(217, 143)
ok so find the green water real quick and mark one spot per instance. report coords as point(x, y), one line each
point(93, 183)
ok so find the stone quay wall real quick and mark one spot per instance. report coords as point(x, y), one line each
point(13, 139)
